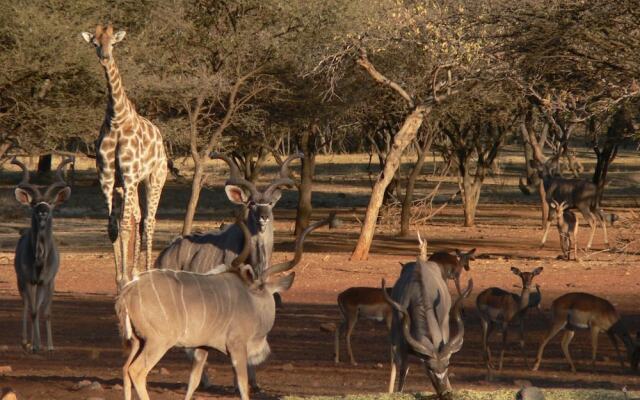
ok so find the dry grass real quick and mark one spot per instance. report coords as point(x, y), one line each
point(481, 395)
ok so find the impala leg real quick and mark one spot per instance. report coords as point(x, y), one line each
point(594, 346)
point(487, 328)
point(592, 224)
point(614, 341)
point(126, 378)
point(238, 353)
point(505, 330)
point(524, 353)
point(151, 353)
point(351, 324)
point(566, 340)
point(603, 223)
point(555, 328)
point(199, 361)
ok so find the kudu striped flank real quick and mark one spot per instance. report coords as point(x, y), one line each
point(36, 258)
point(231, 312)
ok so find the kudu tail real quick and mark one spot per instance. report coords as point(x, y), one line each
point(124, 321)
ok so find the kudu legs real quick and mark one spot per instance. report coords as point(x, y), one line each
point(398, 362)
point(151, 353)
point(36, 299)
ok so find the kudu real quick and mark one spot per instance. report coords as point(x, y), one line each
point(366, 302)
point(499, 307)
point(567, 224)
point(206, 252)
point(452, 265)
point(577, 310)
point(420, 325)
point(232, 312)
point(36, 258)
point(576, 193)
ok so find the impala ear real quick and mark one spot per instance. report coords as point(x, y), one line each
point(472, 254)
point(236, 194)
point(23, 196)
point(515, 271)
point(281, 284)
point(88, 37)
point(537, 271)
point(118, 36)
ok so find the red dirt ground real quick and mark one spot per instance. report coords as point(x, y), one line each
point(88, 345)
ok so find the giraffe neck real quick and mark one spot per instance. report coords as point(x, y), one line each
point(118, 106)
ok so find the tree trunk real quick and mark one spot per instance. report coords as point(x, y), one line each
point(306, 182)
point(470, 198)
point(44, 164)
point(196, 187)
point(401, 140)
point(411, 182)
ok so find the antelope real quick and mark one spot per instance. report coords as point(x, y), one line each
point(367, 302)
point(577, 193)
point(37, 259)
point(214, 251)
point(420, 325)
point(499, 307)
point(452, 266)
point(567, 229)
point(231, 312)
point(577, 310)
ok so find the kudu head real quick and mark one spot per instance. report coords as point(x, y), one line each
point(435, 358)
point(259, 203)
point(464, 258)
point(267, 281)
point(42, 203)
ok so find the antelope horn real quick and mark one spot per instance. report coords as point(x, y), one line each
point(417, 346)
point(457, 340)
point(235, 176)
point(331, 220)
point(60, 178)
point(25, 171)
point(284, 180)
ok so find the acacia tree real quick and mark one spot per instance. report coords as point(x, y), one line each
point(411, 42)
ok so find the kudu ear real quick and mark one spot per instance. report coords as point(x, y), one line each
point(61, 196)
point(236, 194)
point(515, 271)
point(472, 254)
point(23, 196)
point(537, 271)
point(281, 284)
point(246, 273)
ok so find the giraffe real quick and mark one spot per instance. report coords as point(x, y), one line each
point(129, 150)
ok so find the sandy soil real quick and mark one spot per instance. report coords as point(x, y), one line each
point(88, 346)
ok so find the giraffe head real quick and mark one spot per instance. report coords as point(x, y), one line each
point(103, 40)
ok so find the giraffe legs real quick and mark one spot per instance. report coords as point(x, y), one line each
point(154, 185)
point(137, 217)
point(126, 226)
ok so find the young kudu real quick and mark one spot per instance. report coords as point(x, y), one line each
point(577, 310)
point(499, 307)
point(36, 258)
point(420, 325)
point(567, 224)
point(232, 312)
point(576, 193)
point(366, 302)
